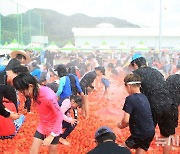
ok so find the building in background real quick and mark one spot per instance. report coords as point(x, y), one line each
point(130, 36)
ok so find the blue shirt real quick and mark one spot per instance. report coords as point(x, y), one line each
point(36, 73)
point(2, 68)
point(77, 83)
point(64, 89)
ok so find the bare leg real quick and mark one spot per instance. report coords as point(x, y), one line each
point(140, 151)
point(167, 147)
point(35, 146)
point(85, 107)
point(53, 149)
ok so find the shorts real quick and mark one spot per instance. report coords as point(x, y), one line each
point(105, 82)
point(134, 142)
point(42, 137)
point(168, 121)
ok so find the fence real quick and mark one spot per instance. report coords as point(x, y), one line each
point(17, 22)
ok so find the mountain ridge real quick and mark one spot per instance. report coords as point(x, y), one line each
point(55, 25)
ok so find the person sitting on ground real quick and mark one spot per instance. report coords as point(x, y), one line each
point(69, 123)
point(7, 90)
point(105, 140)
point(9, 127)
point(137, 115)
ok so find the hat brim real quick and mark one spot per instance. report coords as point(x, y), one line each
point(14, 54)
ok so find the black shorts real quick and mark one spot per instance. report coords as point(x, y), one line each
point(134, 142)
point(168, 121)
point(42, 137)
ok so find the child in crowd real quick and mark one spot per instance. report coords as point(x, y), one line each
point(51, 116)
point(69, 123)
point(100, 71)
point(64, 89)
point(137, 116)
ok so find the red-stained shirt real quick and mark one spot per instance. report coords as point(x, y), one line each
point(7, 126)
point(50, 113)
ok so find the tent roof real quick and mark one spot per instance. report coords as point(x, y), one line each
point(111, 31)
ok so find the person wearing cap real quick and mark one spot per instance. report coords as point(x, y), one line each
point(105, 140)
point(164, 109)
point(7, 91)
point(137, 115)
point(18, 58)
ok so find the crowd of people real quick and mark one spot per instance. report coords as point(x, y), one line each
point(57, 90)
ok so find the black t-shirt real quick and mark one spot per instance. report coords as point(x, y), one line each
point(88, 79)
point(173, 85)
point(6, 91)
point(153, 85)
point(141, 121)
point(109, 148)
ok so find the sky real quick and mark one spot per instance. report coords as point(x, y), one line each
point(142, 12)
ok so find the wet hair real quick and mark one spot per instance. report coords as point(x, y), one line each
point(139, 62)
point(72, 70)
point(77, 99)
point(20, 69)
point(61, 70)
point(102, 69)
point(132, 78)
point(22, 81)
point(90, 57)
point(13, 63)
point(113, 70)
point(104, 137)
point(111, 65)
point(20, 56)
point(34, 64)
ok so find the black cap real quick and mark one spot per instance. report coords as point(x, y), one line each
point(103, 130)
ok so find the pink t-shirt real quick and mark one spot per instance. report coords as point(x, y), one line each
point(50, 113)
point(66, 105)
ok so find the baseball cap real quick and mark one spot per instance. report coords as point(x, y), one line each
point(103, 130)
point(136, 56)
